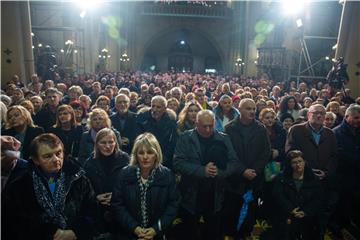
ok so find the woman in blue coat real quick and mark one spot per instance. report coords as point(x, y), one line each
point(145, 199)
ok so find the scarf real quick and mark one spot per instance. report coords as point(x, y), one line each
point(52, 204)
point(143, 196)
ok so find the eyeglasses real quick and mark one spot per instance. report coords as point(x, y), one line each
point(318, 113)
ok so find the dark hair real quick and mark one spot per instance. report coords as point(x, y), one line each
point(290, 156)
point(77, 104)
point(283, 106)
point(285, 116)
point(48, 139)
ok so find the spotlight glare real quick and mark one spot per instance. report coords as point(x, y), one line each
point(99, 56)
point(33, 47)
point(75, 51)
point(62, 50)
point(109, 56)
point(182, 42)
point(299, 23)
point(292, 7)
point(334, 47)
point(39, 45)
point(327, 58)
point(32, 34)
point(87, 4)
point(83, 14)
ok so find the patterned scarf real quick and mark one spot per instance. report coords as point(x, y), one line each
point(143, 196)
point(52, 204)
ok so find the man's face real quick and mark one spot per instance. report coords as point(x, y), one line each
point(157, 109)
point(53, 99)
point(176, 94)
point(353, 119)
point(316, 116)
point(122, 104)
point(205, 126)
point(248, 110)
point(96, 87)
point(200, 96)
point(50, 159)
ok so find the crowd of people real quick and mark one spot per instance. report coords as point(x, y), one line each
point(135, 155)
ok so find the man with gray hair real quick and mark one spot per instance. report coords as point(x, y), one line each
point(250, 140)
point(160, 123)
point(348, 146)
point(203, 157)
point(318, 144)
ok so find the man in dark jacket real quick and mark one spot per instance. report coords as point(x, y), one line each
point(125, 122)
point(318, 144)
point(159, 122)
point(348, 145)
point(53, 200)
point(203, 157)
point(46, 117)
point(252, 146)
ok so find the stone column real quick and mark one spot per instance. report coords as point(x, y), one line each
point(348, 45)
point(16, 41)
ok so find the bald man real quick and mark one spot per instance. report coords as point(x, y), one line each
point(252, 146)
point(203, 157)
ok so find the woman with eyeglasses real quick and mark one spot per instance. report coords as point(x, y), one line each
point(297, 196)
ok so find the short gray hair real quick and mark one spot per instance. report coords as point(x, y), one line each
point(159, 99)
point(352, 108)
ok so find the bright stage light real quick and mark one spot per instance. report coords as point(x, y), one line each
point(299, 23)
point(62, 50)
point(293, 7)
point(327, 58)
point(87, 4)
point(182, 42)
point(83, 14)
point(334, 47)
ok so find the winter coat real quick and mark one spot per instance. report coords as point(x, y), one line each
point(23, 213)
point(219, 120)
point(45, 118)
point(252, 152)
point(162, 198)
point(348, 145)
point(164, 130)
point(71, 139)
point(128, 130)
point(188, 161)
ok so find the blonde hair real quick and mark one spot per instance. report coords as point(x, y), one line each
point(100, 135)
point(76, 89)
point(149, 142)
point(101, 112)
point(28, 105)
point(264, 111)
point(183, 114)
point(23, 112)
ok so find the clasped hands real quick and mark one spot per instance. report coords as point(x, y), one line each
point(296, 212)
point(145, 233)
point(104, 198)
point(211, 170)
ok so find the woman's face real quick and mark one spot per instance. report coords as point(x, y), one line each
point(334, 108)
point(173, 105)
point(192, 112)
point(17, 95)
point(291, 104)
point(16, 119)
point(226, 104)
point(98, 122)
point(298, 165)
point(146, 158)
point(268, 119)
point(260, 106)
point(287, 123)
point(64, 116)
point(73, 95)
point(103, 105)
point(307, 103)
point(49, 159)
point(37, 104)
point(329, 121)
point(78, 112)
point(106, 145)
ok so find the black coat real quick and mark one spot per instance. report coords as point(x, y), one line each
point(129, 129)
point(23, 212)
point(164, 131)
point(45, 118)
point(103, 178)
point(30, 134)
point(308, 199)
point(162, 197)
point(348, 146)
point(71, 139)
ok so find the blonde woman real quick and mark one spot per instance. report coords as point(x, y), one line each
point(187, 116)
point(102, 168)
point(98, 119)
point(20, 125)
point(145, 198)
